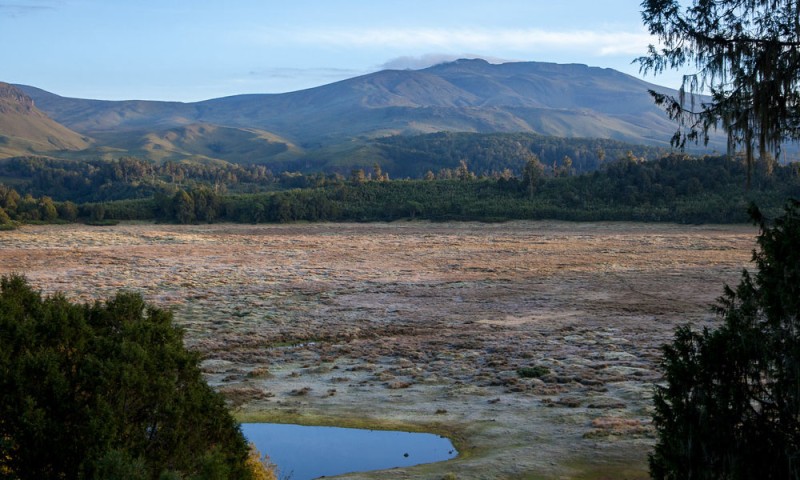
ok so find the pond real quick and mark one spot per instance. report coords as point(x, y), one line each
point(304, 453)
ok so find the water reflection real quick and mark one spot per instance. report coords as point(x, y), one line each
point(304, 453)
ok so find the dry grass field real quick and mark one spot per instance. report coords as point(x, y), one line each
point(422, 325)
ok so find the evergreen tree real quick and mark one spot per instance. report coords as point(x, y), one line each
point(357, 176)
point(4, 218)
point(206, 203)
point(747, 54)
point(98, 212)
point(730, 408)
point(183, 207)
point(463, 173)
point(105, 390)
point(531, 175)
point(68, 211)
point(47, 209)
point(8, 199)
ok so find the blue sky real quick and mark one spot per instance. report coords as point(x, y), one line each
point(189, 50)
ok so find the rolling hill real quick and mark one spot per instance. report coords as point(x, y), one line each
point(461, 96)
point(201, 142)
point(25, 130)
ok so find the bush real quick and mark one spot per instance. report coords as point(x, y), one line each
point(105, 390)
point(533, 372)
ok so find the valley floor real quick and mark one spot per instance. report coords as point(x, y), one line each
point(422, 325)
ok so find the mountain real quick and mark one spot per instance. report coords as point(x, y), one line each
point(466, 96)
point(103, 115)
point(24, 129)
point(461, 96)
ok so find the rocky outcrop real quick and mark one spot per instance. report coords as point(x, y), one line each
point(25, 130)
point(14, 99)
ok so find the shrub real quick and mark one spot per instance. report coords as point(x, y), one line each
point(105, 390)
point(537, 371)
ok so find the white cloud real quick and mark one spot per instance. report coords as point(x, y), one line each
point(431, 59)
point(598, 43)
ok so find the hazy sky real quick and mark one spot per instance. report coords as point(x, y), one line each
point(188, 50)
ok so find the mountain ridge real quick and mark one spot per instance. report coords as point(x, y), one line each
point(572, 100)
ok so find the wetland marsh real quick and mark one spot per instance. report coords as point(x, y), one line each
point(533, 345)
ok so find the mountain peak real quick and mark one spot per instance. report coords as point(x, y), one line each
point(461, 64)
point(470, 61)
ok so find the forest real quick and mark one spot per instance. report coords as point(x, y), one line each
point(407, 157)
point(675, 188)
point(487, 153)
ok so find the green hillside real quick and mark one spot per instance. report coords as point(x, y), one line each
point(204, 142)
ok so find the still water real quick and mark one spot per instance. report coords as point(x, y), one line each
point(303, 453)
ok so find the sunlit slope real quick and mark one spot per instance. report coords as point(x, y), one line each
point(463, 96)
point(24, 129)
point(204, 142)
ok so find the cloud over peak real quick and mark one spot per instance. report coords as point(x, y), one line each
point(409, 62)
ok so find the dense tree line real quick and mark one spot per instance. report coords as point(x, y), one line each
point(398, 157)
point(493, 153)
point(676, 188)
point(107, 390)
point(125, 178)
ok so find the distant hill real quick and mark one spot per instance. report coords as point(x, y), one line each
point(462, 96)
point(24, 129)
point(201, 142)
point(102, 115)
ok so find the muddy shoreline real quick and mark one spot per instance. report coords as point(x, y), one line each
point(422, 325)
